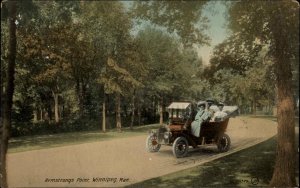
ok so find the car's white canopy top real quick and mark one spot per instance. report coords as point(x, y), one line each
point(178, 105)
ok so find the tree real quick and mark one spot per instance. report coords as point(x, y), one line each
point(12, 13)
point(138, 71)
point(234, 54)
point(46, 66)
point(180, 17)
point(160, 54)
point(58, 50)
point(116, 81)
point(107, 27)
point(275, 24)
point(39, 53)
point(240, 74)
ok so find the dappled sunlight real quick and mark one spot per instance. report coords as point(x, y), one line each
point(243, 179)
point(250, 167)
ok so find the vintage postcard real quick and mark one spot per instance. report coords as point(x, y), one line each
point(149, 93)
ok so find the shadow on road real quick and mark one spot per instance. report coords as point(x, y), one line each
point(250, 167)
point(247, 168)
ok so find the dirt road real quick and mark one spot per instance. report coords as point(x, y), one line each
point(121, 162)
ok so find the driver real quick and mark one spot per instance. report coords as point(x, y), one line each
point(196, 124)
point(204, 114)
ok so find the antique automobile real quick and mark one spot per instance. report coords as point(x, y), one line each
point(178, 131)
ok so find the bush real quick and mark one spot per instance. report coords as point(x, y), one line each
point(73, 124)
point(41, 128)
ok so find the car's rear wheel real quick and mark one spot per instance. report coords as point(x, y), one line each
point(152, 144)
point(224, 143)
point(180, 147)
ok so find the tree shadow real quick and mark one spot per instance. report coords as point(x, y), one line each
point(55, 140)
point(251, 167)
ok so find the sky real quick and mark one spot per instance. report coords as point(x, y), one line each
point(214, 11)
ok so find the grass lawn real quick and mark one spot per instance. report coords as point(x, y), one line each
point(26, 143)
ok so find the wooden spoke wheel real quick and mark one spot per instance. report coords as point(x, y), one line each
point(180, 147)
point(152, 144)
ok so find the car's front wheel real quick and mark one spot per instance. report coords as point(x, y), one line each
point(152, 144)
point(180, 147)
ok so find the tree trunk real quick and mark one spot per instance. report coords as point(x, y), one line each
point(270, 106)
point(139, 114)
point(118, 112)
point(132, 110)
point(35, 115)
point(254, 105)
point(1, 94)
point(62, 111)
point(56, 106)
point(161, 112)
point(284, 172)
point(80, 91)
point(103, 113)
point(77, 87)
point(83, 96)
point(48, 114)
point(2, 104)
point(9, 92)
point(41, 115)
point(153, 109)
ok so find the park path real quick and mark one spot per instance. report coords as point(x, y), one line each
point(120, 162)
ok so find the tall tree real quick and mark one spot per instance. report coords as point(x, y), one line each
point(275, 24)
point(56, 21)
point(184, 18)
point(38, 51)
point(235, 69)
point(160, 54)
point(9, 90)
point(116, 81)
point(113, 47)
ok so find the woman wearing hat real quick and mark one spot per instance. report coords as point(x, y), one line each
point(220, 115)
point(203, 114)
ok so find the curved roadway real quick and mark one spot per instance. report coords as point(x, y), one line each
point(123, 161)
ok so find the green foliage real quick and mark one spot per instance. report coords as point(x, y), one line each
point(265, 21)
point(78, 49)
point(22, 127)
point(159, 53)
point(181, 17)
point(27, 128)
point(26, 9)
point(73, 49)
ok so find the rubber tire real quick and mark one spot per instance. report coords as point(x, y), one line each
point(150, 147)
point(224, 143)
point(180, 141)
